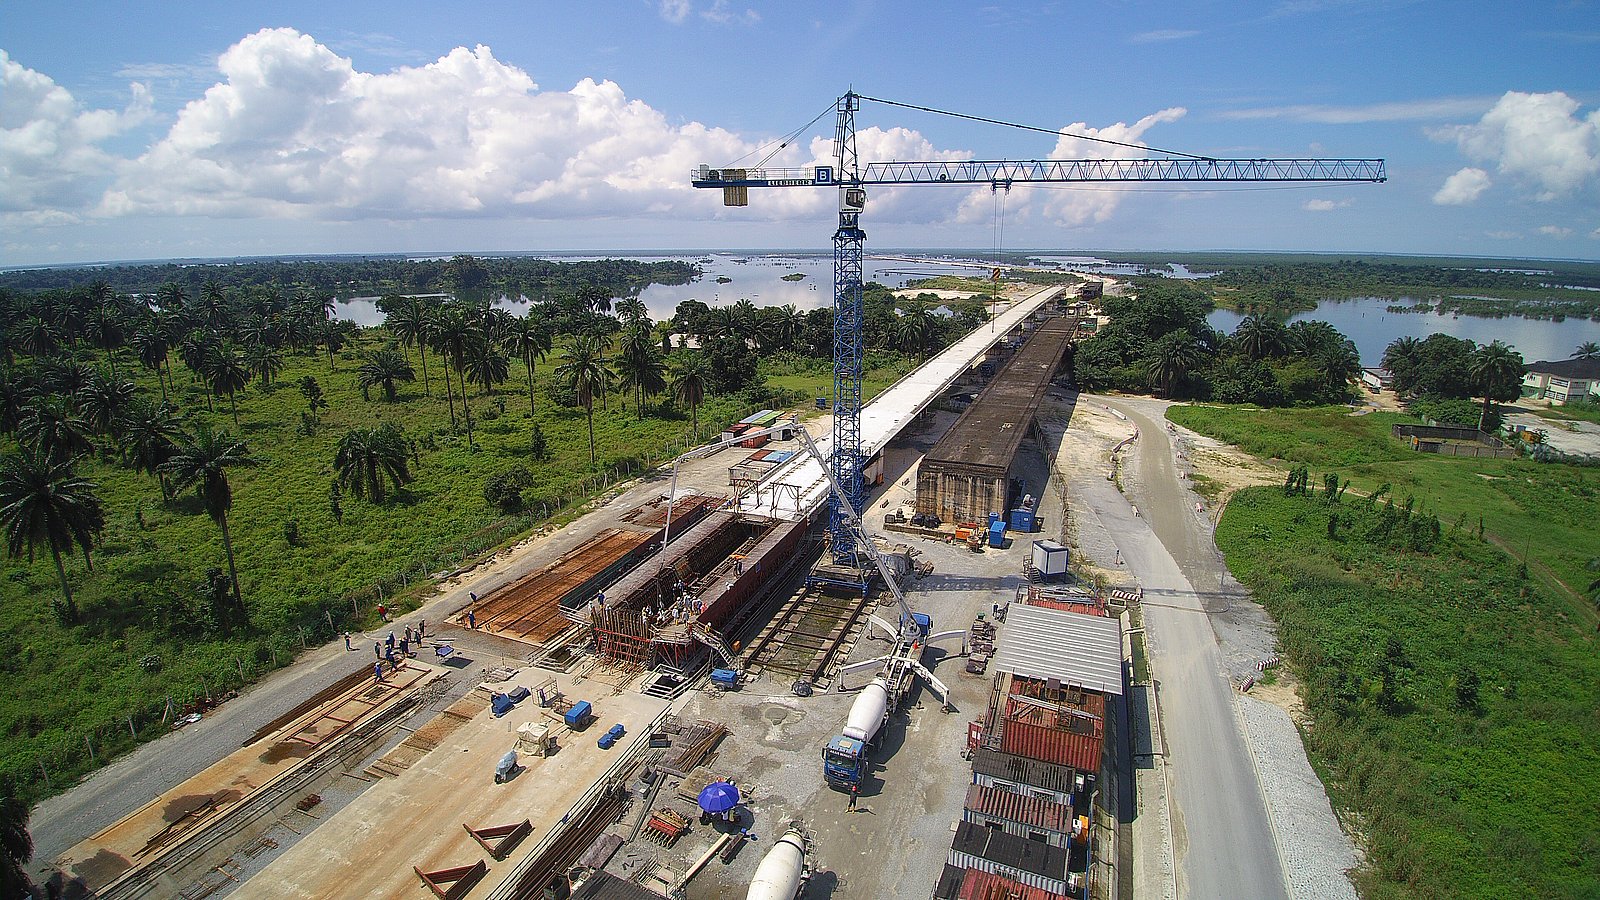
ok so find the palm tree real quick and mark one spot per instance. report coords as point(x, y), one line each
point(450, 334)
point(227, 374)
point(484, 367)
point(384, 368)
point(51, 425)
point(1175, 354)
point(16, 845)
point(204, 462)
point(1401, 358)
point(152, 349)
point(1587, 350)
point(264, 362)
point(37, 338)
point(150, 435)
point(914, 332)
point(583, 372)
point(366, 456)
point(42, 501)
point(1496, 374)
point(102, 399)
point(334, 337)
point(105, 329)
point(784, 325)
point(212, 307)
point(689, 384)
point(1259, 337)
point(639, 366)
point(1339, 365)
point(632, 312)
point(408, 322)
point(527, 339)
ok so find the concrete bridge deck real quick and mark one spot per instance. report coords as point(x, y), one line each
point(804, 484)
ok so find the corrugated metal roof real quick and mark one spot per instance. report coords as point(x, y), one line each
point(1031, 811)
point(1022, 770)
point(1071, 647)
point(977, 884)
point(1052, 745)
point(1011, 851)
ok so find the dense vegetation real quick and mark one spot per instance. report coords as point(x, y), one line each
point(535, 278)
point(1452, 697)
point(197, 484)
point(1438, 375)
point(1158, 340)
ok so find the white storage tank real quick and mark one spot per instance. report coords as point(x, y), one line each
point(1050, 558)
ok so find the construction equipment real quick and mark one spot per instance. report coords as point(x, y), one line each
point(851, 178)
point(783, 871)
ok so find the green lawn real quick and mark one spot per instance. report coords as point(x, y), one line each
point(1453, 702)
point(71, 688)
point(1547, 511)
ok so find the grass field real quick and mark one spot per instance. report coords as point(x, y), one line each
point(1453, 701)
point(1544, 511)
point(77, 695)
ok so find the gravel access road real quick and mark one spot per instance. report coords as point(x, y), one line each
point(1223, 838)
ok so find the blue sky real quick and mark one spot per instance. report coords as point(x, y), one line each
point(137, 131)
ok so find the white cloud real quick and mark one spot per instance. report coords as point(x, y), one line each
point(720, 13)
point(1539, 140)
point(1555, 231)
point(1161, 35)
point(675, 11)
point(49, 144)
point(1325, 205)
point(1435, 109)
point(294, 130)
point(1595, 234)
point(1462, 188)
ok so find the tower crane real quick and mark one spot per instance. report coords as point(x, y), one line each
point(851, 178)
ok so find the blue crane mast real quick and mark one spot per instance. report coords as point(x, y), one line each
point(851, 180)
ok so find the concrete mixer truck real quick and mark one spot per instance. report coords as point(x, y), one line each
point(783, 870)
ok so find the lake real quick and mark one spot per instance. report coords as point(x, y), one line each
point(1366, 321)
point(757, 278)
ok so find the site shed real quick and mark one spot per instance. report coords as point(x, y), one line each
point(1035, 778)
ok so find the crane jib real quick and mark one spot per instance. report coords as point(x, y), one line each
point(1055, 170)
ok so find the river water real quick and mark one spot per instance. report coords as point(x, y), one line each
point(757, 278)
point(1366, 321)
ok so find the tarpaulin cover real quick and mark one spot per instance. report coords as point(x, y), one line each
point(502, 704)
point(507, 764)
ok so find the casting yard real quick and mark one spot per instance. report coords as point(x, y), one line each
point(416, 818)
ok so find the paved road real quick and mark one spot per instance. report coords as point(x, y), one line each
point(1223, 837)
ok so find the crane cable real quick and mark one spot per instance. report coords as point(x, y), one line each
point(1054, 131)
point(783, 142)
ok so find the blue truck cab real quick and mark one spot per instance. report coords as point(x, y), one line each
point(844, 762)
point(924, 625)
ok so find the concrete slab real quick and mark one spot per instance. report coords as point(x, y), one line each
point(415, 819)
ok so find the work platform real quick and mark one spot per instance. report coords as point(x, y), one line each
point(797, 487)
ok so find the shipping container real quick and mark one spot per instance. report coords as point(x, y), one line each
point(1019, 775)
point(1034, 818)
point(1019, 859)
point(972, 884)
point(1022, 520)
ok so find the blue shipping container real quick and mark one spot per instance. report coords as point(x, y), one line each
point(1022, 520)
point(579, 715)
point(997, 534)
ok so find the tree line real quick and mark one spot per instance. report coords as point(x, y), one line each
point(1438, 376)
point(1158, 340)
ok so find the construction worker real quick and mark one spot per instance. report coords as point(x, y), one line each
point(377, 670)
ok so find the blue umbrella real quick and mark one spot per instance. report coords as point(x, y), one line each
point(719, 797)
